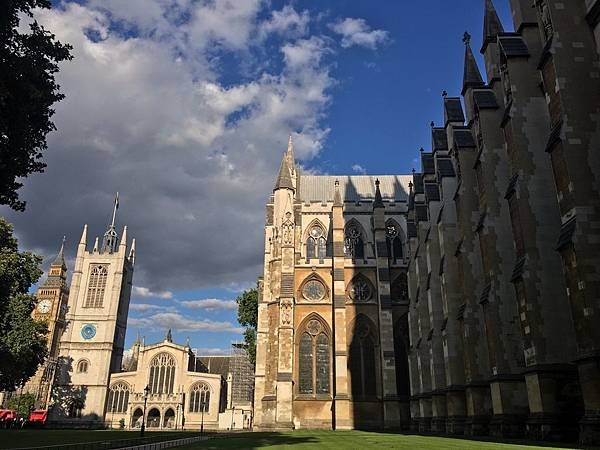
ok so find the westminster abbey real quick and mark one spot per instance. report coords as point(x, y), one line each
point(462, 298)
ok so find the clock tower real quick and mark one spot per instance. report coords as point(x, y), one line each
point(50, 308)
point(91, 347)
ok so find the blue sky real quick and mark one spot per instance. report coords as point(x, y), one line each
point(185, 108)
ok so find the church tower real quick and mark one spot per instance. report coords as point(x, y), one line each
point(51, 307)
point(91, 347)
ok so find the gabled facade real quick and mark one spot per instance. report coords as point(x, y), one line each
point(332, 324)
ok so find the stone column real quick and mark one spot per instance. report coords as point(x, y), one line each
point(391, 404)
point(342, 412)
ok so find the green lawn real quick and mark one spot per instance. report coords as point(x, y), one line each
point(348, 440)
point(33, 438)
point(302, 439)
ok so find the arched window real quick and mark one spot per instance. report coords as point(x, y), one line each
point(96, 286)
point(316, 244)
point(394, 241)
point(314, 359)
point(118, 397)
point(82, 366)
point(199, 398)
point(399, 288)
point(313, 289)
point(401, 356)
point(162, 374)
point(360, 289)
point(354, 245)
point(362, 360)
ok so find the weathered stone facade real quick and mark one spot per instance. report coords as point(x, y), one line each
point(332, 320)
point(499, 258)
point(504, 247)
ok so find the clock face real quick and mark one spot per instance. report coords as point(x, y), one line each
point(44, 306)
point(88, 331)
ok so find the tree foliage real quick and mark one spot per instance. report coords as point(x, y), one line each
point(28, 89)
point(248, 317)
point(23, 404)
point(22, 339)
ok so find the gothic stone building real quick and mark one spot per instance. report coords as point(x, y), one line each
point(496, 240)
point(332, 315)
point(504, 229)
point(86, 382)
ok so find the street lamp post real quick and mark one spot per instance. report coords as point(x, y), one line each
point(202, 403)
point(143, 428)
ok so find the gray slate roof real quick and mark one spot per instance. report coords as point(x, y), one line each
point(485, 99)
point(513, 45)
point(353, 188)
point(439, 139)
point(453, 111)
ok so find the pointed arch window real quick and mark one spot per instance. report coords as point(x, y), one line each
point(118, 397)
point(316, 243)
point(394, 241)
point(399, 288)
point(162, 374)
point(354, 245)
point(96, 286)
point(199, 398)
point(360, 289)
point(362, 361)
point(314, 359)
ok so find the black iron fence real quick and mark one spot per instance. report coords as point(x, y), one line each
point(149, 442)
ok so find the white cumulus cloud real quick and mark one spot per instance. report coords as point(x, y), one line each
point(152, 111)
point(175, 321)
point(210, 304)
point(144, 292)
point(358, 32)
point(359, 169)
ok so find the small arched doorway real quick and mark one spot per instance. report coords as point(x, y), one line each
point(136, 419)
point(153, 420)
point(169, 419)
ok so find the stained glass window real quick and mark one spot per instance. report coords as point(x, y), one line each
point(362, 362)
point(393, 241)
point(305, 367)
point(162, 374)
point(313, 290)
point(353, 242)
point(199, 398)
point(360, 289)
point(314, 360)
point(322, 368)
point(316, 245)
point(118, 398)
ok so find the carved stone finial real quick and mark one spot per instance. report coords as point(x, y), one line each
point(467, 38)
point(444, 94)
point(421, 149)
point(432, 124)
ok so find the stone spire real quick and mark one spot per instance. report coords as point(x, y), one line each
point(60, 258)
point(337, 197)
point(284, 179)
point(132, 252)
point(378, 203)
point(290, 152)
point(491, 24)
point(109, 243)
point(472, 76)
